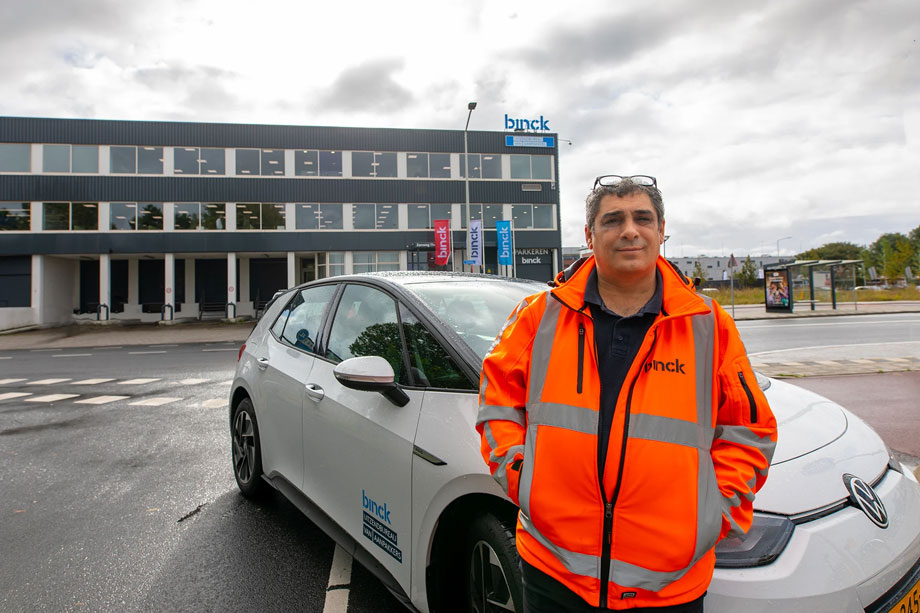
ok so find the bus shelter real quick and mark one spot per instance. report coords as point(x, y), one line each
point(780, 282)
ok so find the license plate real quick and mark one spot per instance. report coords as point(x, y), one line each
point(910, 603)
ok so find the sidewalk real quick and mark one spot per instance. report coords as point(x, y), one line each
point(91, 334)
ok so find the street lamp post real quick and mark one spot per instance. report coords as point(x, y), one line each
point(777, 244)
point(664, 244)
point(466, 177)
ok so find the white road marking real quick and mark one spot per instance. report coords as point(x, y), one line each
point(137, 381)
point(48, 381)
point(801, 322)
point(223, 349)
point(339, 582)
point(91, 381)
point(6, 357)
point(108, 347)
point(214, 403)
point(100, 399)
point(157, 346)
point(864, 361)
point(144, 352)
point(831, 347)
point(71, 355)
point(193, 381)
point(896, 359)
point(10, 395)
point(51, 397)
point(153, 402)
point(828, 362)
point(226, 382)
point(6, 381)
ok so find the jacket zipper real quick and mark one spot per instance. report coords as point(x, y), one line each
point(750, 397)
point(607, 542)
point(581, 354)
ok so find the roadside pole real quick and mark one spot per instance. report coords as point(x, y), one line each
point(732, 262)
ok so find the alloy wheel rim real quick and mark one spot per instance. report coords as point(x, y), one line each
point(244, 456)
point(489, 589)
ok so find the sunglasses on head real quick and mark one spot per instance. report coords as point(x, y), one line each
point(611, 180)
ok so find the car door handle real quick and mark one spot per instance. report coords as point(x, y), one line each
point(262, 363)
point(314, 391)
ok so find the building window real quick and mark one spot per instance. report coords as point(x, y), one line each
point(522, 214)
point(56, 158)
point(212, 161)
point(368, 164)
point(330, 264)
point(318, 216)
point(375, 261)
point(474, 166)
point(150, 160)
point(439, 165)
point(70, 216)
point(330, 163)
point(200, 216)
point(85, 159)
point(150, 216)
point(247, 162)
point(15, 157)
point(374, 216)
point(193, 161)
point(416, 165)
point(272, 163)
point(520, 167)
point(306, 163)
point(122, 160)
point(531, 167)
point(491, 166)
point(543, 216)
point(15, 216)
point(488, 213)
point(422, 216)
point(260, 216)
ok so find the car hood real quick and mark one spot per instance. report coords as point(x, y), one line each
point(817, 442)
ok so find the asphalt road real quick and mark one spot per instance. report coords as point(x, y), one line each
point(117, 492)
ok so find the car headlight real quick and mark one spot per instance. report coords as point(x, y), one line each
point(893, 462)
point(762, 544)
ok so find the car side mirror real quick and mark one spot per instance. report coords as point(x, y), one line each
point(371, 374)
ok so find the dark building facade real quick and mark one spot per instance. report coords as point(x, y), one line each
point(150, 220)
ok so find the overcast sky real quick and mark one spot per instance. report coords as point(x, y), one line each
point(761, 120)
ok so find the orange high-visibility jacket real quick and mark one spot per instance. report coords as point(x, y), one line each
point(690, 444)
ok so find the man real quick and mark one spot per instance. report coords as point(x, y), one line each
point(620, 412)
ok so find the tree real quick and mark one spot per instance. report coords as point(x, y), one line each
point(832, 251)
point(747, 276)
point(891, 253)
point(699, 273)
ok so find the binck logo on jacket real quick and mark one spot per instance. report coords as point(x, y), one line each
point(675, 366)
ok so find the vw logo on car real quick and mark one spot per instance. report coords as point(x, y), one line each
point(863, 496)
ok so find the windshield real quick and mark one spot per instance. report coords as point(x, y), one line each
point(476, 310)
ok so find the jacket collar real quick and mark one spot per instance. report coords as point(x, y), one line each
point(679, 297)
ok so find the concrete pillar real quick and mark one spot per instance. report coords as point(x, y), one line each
point(133, 285)
point(36, 215)
point(105, 285)
point(169, 268)
point(105, 216)
point(291, 269)
point(231, 284)
point(38, 283)
point(244, 280)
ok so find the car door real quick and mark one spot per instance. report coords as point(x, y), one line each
point(285, 361)
point(358, 445)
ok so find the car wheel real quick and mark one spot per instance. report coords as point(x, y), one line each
point(493, 568)
point(247, 454)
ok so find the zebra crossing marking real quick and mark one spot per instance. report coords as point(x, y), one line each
point(214, 403)
point(91, 381)
point(153, 402)
point(100, 399)
point(11, 395)
point(193, 381)
point(137, 381)
point(48, 381)
point(8, 381)
point(52, 397)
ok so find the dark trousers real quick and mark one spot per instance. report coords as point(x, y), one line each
point(543, 594)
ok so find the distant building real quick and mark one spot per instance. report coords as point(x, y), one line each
point(714, 268)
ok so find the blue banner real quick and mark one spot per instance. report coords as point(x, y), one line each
point(503, 233)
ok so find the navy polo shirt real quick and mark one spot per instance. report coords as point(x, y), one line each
point(617, 340)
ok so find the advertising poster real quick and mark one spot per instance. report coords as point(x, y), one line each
point(503, 232)
point(476, 242)
point(776, 284)
point(441, 241)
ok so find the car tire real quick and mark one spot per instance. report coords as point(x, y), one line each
point(493, 569)
point(247, 450)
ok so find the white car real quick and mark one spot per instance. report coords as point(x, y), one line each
point(356, 398)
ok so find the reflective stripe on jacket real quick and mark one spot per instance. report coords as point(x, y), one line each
point(690, 444)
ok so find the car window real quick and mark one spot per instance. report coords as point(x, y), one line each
point(430, 364)
point(365, 324)
point(304, 316)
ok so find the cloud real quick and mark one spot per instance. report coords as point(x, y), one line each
point(367, 87)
